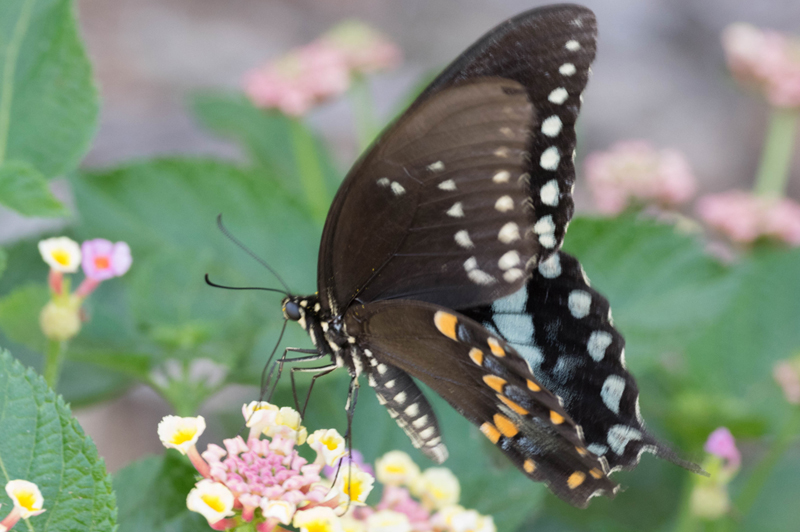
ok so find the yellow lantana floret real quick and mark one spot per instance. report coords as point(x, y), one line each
point(181, 433)
point(287, 425)
point(213, 500)
point(318, 519)
point(396, 468)
point(62, 254)
point(388, 521)
point(26, 497)
point(329, 444)
point(436, 488)
point(355, 483)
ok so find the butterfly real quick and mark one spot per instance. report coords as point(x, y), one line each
point(439, 261)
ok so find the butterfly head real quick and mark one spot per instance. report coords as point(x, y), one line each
point(298, 308)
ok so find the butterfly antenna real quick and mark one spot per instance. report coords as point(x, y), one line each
point(215, 285)
point(247, 250)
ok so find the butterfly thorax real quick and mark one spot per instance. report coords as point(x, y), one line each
point(326, 331)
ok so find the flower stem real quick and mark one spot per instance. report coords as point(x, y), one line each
point(54, 356)
point(760, 475)
point(308, 166)
point(363, 111)
point(773, 171)
point(687, 522)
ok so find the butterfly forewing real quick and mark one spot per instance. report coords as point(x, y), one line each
point(479, 166)
point(436, 210)
point(491, 385)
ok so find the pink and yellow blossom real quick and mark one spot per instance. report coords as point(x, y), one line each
point(61, 253)
point(436, 488)
point(213, 500)
point(396, 468)
point(636, 172)
point(319, 519)
point(329, 444)
point(364, 49)
point(27, 499)
point(745, 217)
point(765, 59)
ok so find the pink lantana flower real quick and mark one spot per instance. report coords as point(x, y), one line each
point(300, 80)
point(634, 171)
point(766, 59)
point(365, 50)
point(744, 217)
point(721, 443)
point(103, 259)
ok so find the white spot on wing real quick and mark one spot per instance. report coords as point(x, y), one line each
point(384, 182)
point(447, 185)
point(508, 260)
point(558, 96)
point(573, 45)
point(544, 225)
point(597, 344)
point(552, 126)
point(597, 449)
point(462, 239)
point(619, 436)
point(412, 410)
point(504, 203)
point(456, 211)
point(508, 233)
point(551, 268)
point(514, 274)
point(476, 275)
point(400, 398)
point(501, 177)
point(421, 422)
point(501, 152)
point(579, 303)
point(549, 159)
point(382, 368)
point(438, 166)
point(567, 69)
point(613, 387)
point(548, 240)
point(398, 189)
point(427, 433)
point(549, 193)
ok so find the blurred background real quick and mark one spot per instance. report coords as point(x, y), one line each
point(660, 75)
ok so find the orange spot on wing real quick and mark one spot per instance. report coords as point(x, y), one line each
point(446, 323)
point(494, 382)
point(491, 432)
point(512, 405)
point(556, 418)
point(576, 479)
point(494, 345)
point(505, 426)
point(532, 386)
point(596, 473)
point(581, 451)
point(529, 466)
point(476, 355)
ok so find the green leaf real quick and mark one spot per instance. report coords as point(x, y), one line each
point(42, 443)
point(25, 190)
point(19, 315)
point(48, 103)
point(266, 136)
point(152, 495)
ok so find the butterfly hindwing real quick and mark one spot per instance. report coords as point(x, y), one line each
point(490, 384)
point(407, 405)
point(563, 328)
point(471, 186)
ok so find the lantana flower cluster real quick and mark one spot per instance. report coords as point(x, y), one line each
point(27, 500)
point(710, 499)
point(745, 217)
point(264, 482)
point(100, 260)
point(320, 70)
point(636, 172)
point(765, 59)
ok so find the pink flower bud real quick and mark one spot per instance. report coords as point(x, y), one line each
point(721, 443)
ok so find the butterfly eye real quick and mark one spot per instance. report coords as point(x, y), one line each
point(292, 311)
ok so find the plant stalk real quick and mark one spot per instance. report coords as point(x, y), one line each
point(54, 357)
point(776, 158)
point(308, 166)
point(363, 112)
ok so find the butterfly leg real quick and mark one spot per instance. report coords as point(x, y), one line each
point(314, 355)
point(320, 371)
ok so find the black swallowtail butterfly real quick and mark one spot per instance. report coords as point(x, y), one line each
point(440, 261)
